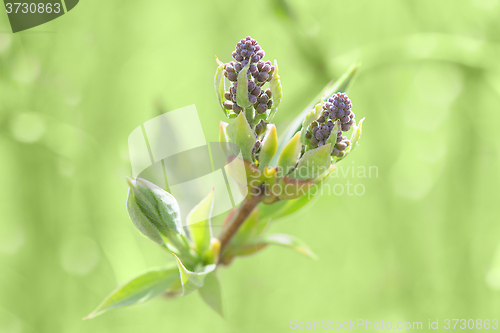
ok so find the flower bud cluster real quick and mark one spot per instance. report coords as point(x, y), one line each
point(259, 72)
point(337, 110)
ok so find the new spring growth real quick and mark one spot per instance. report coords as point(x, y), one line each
point(336, 113)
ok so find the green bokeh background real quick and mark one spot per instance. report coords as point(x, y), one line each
point(421, 243)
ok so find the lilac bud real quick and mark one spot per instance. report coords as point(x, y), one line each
point(228, 105)
point(256, 91)
point(252, 98)
point(262, 77)
point(231, 76)
point(345, 127)
point(261, 108)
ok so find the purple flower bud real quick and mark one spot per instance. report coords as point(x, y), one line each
point(266, 68)
point(264, 98)
point(314, 124)
point(253, 68)
point(261, 108)
point(237, 108)
point(345, 120)
point(308, 135)
point(321, 143)
point(227, 95)
point(345, 127)
point(252, 98)
point(319, 135)
point(269, 103)
point(321, 119)
point(269, 93)
point(314, 142)
point(231, 76)
point(238, 57)
point(341, 145)
point(256, 91)
point(351, 122)
point(262, 77)
point(229, 68)
point(332, 115)
point(325, 113)
point(228, 105)
point(259, 128)
point(251, 85)
point(335, 152)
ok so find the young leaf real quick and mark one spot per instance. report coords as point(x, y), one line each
point(138, 290)
point(242, 89)
point(198, 222)
point(269, 147)
point(289, 241)
point(289, 155)
point(239, 132)
point(141, 221)
point(313, 163)
point(276, 91)
point(219, 85)
point(211, 294)
point(159, 206)
point(308, 119)
point(356, 135)
point(192, 280)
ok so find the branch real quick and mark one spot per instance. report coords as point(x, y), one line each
point(244, 211)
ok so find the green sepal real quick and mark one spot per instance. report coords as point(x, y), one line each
point(289, 155)
point(269, 147)
point(198, 223)
point(220, 85)
point(239, 132)
point(276, 91)
point(309, 118)
point(356, 135)
point(242, 89)
point(192, 280)
point(138, 290)
point(313, 163)
point(210, 292)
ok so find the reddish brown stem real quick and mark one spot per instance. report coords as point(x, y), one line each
point(241, 215)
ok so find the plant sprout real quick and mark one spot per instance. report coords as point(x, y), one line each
point(279, 177)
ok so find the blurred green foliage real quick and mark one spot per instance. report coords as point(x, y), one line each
point(421, 243)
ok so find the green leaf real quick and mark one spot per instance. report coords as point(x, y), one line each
point(159, 206)
point(276, 91)
point(138, 290)
point(219, 84)
point(192, 280)
point(211, 294)
point(356, 135)
point(242, 89)
point(289, 155)
point(141, 221)
point(332, 139)
point(313, 163)
point(290, 242)
point(309, 118)
point(340, 85)
point(198, 223)
point(239, 132)
point(269, 147)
